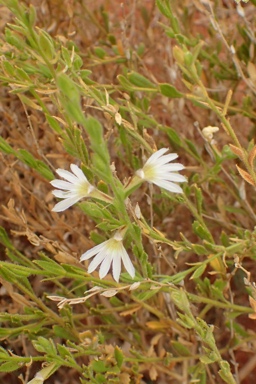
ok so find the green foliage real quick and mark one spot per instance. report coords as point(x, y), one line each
point(169, 91)
point(107, 107)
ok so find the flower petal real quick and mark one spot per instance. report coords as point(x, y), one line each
point(63, 194)
point(156, 155)
point(97, 260)
point(65, 204)
point(127, 263)
point(67, 175)
point(171, 177)
point(171, 187)
point(163, 160)
point(92, 252)
point(62, 184)
point(172, 167)
point(105, 265)
point(116, 266)
point(78, 172)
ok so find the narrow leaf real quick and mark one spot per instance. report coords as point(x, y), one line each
point(170, 91)
point(245, 175)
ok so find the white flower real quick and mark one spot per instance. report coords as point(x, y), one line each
point(44, 374)
point(159, 171)
point(75, 188)
point(110, 251)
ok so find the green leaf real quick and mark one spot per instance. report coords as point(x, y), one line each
point(27, 158)
point(94, 129)
point(12, 39)
point(70, 97)
point(125, 83)
point(85, 73)
point(99, 366)
point(51, 268)
point(198, 373)
point(180, 299)
point(173, 136)
point(75, 271)
point(10, 366)
point(96, 237)
point(119, 356)
point(225, 372)
point(3, 353)
point(6, 148)
point(6, 333)
point(4, 239)
point(185, 320)
point(75, 145)
point(98, 211)
point(32, 15)
point(77, 62)
point(207, 359)
point(64, 351)
point(224, 239)
point(36, 164)
point(22, 75)
point(44, 345)
point(179, 277)
point(100, 158)
point(192, 148)
point(54, 124)
point(180, 349)
point(140, 81)
point(46, 44)
point(63, 333)
point(66, 55)
point(188, 59)
point(101, 53)
point(8, 68)
point(100, 379)
point(14, 270)
point(199, 249)
point(29, 102)
point(201, 231)
point(144, 296)
point(198, 272)
point(199, 199)
point(227, 153)
point(169, 91)
point(164, 8)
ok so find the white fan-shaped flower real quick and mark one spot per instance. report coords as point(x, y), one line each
point(109, 252)
point(74, 189)
point(159, 171)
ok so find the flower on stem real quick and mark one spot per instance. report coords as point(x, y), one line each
point(159, 171)
point(74, 188)
point(109, 252)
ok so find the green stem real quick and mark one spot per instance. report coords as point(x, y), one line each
point(219, 304)
point(199, 218)
point(52, 315)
